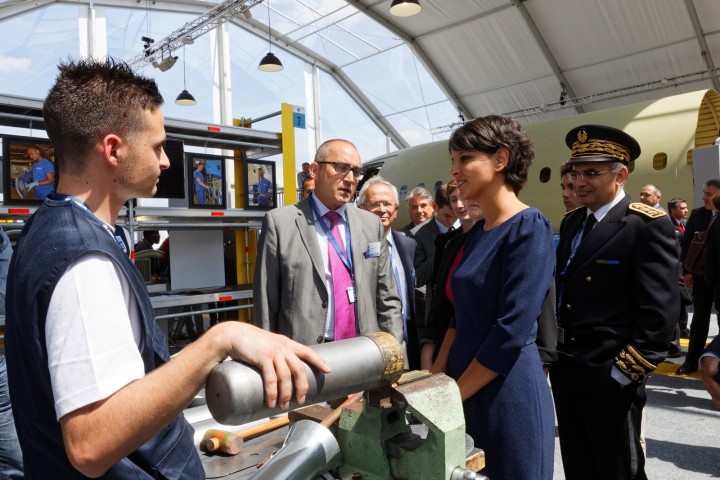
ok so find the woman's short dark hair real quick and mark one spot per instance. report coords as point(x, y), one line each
point(488, 135)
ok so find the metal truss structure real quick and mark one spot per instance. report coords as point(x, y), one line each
point(158, 51)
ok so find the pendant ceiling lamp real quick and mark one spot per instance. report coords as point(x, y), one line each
point(405, 8)
point(270, 63)
point(185, 98)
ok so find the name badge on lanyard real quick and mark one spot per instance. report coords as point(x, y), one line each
point(351, 294)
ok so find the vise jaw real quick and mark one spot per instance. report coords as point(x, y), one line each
point(378, 442)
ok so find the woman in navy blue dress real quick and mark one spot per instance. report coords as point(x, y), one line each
point(498, 290)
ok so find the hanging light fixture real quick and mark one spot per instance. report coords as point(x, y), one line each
point(270, 63)
point(405, 8)
point(185, 99)
point(563, 94)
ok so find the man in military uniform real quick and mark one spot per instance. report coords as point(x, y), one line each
point(617, 306)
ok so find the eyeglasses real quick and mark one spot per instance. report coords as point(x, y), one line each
point(588, 175)
point(343, 169)
point(378, 205)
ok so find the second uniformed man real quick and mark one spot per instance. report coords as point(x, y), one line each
point(617, 306)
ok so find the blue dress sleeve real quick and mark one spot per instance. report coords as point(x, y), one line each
point(527, 266)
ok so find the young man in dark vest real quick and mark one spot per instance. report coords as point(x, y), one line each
point(92, 387)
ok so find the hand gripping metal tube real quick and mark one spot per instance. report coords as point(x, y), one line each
point(234, 390)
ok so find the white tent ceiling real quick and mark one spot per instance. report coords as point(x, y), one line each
point(483, 56)
point(500, 56)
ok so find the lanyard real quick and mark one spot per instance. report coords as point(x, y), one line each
point(346, 259)
point(113, 233)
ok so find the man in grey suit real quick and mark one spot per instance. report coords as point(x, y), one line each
point(380, 197)
point(293, 288)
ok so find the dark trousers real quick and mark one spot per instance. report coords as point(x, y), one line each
point(700, 325)
point(683, 322)
point(599, 429)
point(413, 346)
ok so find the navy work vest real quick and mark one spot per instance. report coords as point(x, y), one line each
point(59, 233)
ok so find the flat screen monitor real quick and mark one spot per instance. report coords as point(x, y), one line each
point(172, 180)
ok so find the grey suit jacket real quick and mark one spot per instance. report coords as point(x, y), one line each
point(289, 291)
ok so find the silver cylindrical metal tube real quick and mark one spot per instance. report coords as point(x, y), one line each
point(234, 391)
point(308, 450)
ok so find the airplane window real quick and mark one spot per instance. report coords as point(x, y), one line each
point(660, 161)
point(403, 192)
point(544, 174)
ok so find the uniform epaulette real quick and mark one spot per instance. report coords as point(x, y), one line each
point(646, 210)
point(571, 211)
point(632, 364)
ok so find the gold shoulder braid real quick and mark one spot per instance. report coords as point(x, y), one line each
point(646, 210)
point(633, 365)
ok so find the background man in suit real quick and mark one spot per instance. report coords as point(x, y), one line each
point(567, 188)
point(308, 186)
point(294, 280)
point(421, 208)
point(678, 211)
point(618, 303)
point(426, 235)
point(380, 197)
point(699, 221)
point(303, 174)
point(650, 195)
point(711, 375)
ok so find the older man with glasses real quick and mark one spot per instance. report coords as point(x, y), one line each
point(617, 306)
point(380, 197)
point(323, 268)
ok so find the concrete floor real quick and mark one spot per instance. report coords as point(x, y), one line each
point(682, 428)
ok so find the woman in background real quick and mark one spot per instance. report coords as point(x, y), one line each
point(448, 252)
point(498, 290)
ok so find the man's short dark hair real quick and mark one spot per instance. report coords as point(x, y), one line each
point(565, 168)
point(152, 235)
point(714, 182)
point(92, 98)
point(674, 203)
point(442, 199)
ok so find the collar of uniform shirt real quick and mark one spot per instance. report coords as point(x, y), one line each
point(602, 211)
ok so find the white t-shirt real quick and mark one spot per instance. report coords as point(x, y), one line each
point(93, 332)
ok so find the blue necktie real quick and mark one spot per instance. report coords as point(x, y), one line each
point(399, 289)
